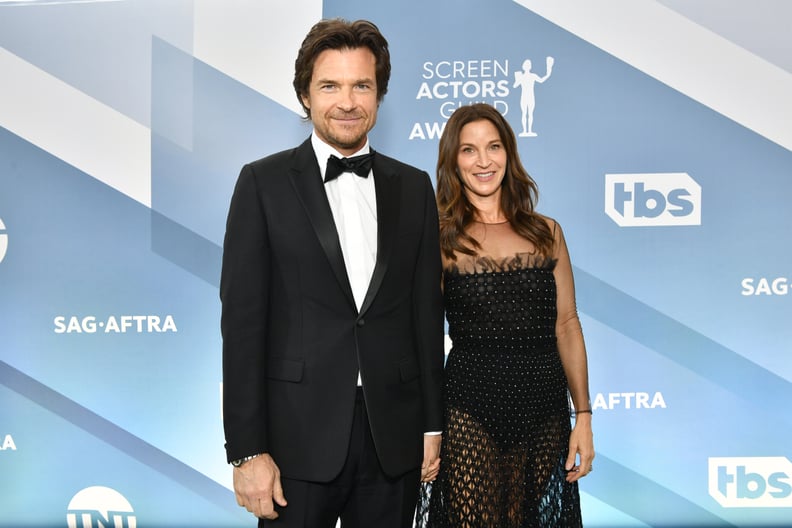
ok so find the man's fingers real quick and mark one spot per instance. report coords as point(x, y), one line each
point(277, 493)
point(430, 471)
point(265, 509)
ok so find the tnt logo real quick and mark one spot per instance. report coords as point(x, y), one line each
point(100, 507)
point(3, 240)
point(661, 199)
point(751, 482)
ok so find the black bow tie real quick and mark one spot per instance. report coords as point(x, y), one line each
point(360, 165)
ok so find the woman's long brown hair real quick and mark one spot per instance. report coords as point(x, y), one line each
point(519, 192)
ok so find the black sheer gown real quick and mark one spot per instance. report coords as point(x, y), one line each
point(507, 410)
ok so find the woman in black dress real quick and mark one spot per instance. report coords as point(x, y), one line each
point(510, 456)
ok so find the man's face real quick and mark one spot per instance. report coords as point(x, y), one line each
point(342, 97)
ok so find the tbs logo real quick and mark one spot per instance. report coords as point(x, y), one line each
point(662, 199)
point(751, 482)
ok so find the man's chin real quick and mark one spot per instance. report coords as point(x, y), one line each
point(348, 141)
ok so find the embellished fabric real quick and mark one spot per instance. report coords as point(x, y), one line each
point(507, 411)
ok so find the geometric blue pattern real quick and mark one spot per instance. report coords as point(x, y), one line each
point(662, 307)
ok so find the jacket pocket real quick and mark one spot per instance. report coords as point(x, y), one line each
point(285, 369)
point(408, 369)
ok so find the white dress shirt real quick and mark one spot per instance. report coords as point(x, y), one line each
point(353, 202)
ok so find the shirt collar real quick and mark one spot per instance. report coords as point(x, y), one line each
point(323, 151)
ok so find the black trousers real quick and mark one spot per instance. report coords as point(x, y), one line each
point(362, 495)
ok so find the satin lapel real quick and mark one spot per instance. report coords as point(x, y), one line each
point(388, 189)
point(307, 181)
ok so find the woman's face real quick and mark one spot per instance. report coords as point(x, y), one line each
point(481, 159)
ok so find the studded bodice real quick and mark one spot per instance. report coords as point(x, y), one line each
point(504, 306)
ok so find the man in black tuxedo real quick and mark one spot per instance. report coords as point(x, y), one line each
point(332, 311)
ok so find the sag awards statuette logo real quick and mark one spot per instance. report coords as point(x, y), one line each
point(99, 506)
point(527, 80)
point(3, 240)
point(452, 84)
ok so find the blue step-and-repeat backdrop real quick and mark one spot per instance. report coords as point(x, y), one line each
point(660, 139)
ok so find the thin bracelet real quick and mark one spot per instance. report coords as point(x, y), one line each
point(239, 462)
point(583, 411)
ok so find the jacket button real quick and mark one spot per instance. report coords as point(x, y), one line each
point(361, 322)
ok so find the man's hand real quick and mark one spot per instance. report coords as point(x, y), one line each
point(257, 484)
point(431, 460)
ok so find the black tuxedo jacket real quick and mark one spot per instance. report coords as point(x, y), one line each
point(293, 339)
